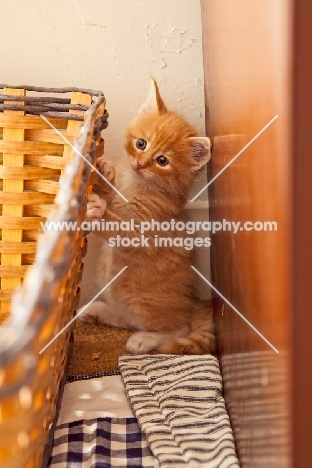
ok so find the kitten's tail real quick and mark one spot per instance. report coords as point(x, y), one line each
point(201, 339)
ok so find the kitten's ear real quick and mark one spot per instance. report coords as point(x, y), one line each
point(154, 102)
point(200, 151)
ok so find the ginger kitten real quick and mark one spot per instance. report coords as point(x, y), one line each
point(156, 293)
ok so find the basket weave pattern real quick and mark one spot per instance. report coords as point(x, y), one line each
point(34, 158)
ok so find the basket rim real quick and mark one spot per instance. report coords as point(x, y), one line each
point(43, 89)
point(55, 107)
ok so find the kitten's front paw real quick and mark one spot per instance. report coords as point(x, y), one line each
point(105, 168)
point(141, 343)
point(96, 207)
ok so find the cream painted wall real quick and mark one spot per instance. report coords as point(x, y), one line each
point(112, 46)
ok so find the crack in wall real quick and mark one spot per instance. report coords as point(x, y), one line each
point(177, 41)
point(44, 17)
point(173, 41)
point(161, 43)
point(111, 40)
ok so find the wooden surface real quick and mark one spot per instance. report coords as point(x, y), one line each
point(246, 48)
point(301, 276)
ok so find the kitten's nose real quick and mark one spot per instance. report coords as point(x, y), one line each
point(140, 165)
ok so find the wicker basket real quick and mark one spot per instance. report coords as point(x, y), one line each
point(34, 156)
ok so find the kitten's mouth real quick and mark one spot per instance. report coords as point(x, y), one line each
point(137, 171)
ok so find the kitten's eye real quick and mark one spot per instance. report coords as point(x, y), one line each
point(162, 160)
point(141, 144)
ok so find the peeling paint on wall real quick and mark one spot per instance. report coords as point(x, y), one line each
point(173, 41)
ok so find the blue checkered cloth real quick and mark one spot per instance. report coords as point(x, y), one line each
point(101, 443)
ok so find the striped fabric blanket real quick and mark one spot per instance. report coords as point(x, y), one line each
point(179, 406)
point(163, 411)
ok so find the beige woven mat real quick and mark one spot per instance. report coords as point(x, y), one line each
point(96, 348)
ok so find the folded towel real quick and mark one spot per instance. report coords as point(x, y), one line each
point(178, 403)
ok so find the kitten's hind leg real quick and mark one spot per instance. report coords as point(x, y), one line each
point(95, 312)
point(100, 312)
point(144, 342)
